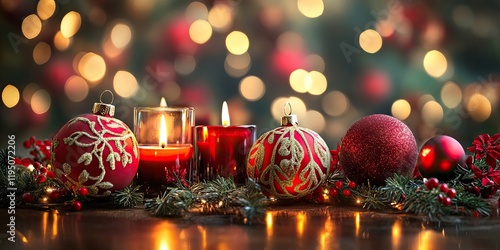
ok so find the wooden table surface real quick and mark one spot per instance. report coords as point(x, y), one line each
point(284, 228)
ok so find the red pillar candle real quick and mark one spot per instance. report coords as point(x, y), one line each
point(223, 150)
point(164, 135)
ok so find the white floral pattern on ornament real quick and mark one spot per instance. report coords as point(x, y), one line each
point(98, 144)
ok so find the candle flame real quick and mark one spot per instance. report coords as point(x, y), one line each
point(205, 133)
point(163, 132)
point(163, 103)
point(225, 115)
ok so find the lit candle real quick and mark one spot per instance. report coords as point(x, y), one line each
point(165, 149)
point(223, 150)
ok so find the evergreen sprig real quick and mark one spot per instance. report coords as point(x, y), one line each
point(219, 196)
point(128, 197)
point(412, 196)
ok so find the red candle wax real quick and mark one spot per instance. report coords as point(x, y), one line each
point(223, 150)
point(160, 167)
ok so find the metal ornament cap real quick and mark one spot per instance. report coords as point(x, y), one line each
point(104, 109)
point(289, 120)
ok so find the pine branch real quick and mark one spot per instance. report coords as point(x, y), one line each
point(174, 203)
point(128, 197)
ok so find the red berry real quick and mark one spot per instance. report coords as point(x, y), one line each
point(432, 183)
point(41, 178)
point(339, 184)
point(54, 195)
point(83, 191)
point(346, 192)
point(443, 187)
point(475, 214)
point(440, 198)
point(27, 198)
point(47, 142)
point(37, 165)
point(446, 201)
point(38, 143)
point(334, 192)
point(476, 190)
point(77, 205)
point(403, 197)
point(50, 174)
point(352, 184)
point(43, 170)
point(320, 198)
point(452, 193)
point(26, 144)
point(32, 140)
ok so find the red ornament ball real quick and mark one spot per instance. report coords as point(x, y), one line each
point(376, 147)
point(95, 151)
point(289, 162)
point(439, 157)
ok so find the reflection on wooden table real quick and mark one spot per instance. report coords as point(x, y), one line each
point(291, 227)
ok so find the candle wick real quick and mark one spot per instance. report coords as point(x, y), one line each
point(162, 145)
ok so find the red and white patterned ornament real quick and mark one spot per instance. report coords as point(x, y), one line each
point(290, 161)
point(95, 151)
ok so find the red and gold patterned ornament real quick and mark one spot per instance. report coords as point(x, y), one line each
point(290, 161)
point(95, 151)
point(439, 157)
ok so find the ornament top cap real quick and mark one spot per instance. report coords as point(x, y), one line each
point(288, 119)
point(104, 109)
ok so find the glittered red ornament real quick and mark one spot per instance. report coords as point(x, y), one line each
point(289, 161)
point(439, 157)
point(95, 151)
point(376, 147)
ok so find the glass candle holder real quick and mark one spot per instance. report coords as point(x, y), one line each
point(164, 135)
point(223, 151)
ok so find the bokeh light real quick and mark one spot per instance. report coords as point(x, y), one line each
point(300, 81)
point(31, 26)
point(45, 9)
point(463, 16)
point(252, 88)
point(335, 103)
point(76, 88)
point(401, 109)
point(184, 64)
point(313, 120)
point(435, 63)
point(316, 62)
point(121, 35)
point(197, 10)
point(370, 41)
point(319, 83)
point(92, 67)
point(125, 84)
point(10, 96)
point(432, 113)
point(41, 53)
point(29, 90)
point(311, 8)
point(172, 91)
point(237, 42)
point(40, 101)
point(451, 95)
point(70, 24)
point(237, 65)
point(60, 42)
point(479, 107)
point(200, 31)
point(220, 16)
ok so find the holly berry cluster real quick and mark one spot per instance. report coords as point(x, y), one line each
point(443, 192)
point(338, 190)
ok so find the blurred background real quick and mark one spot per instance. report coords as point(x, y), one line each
point(433, 65)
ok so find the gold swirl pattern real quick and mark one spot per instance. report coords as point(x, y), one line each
point(289, 162)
